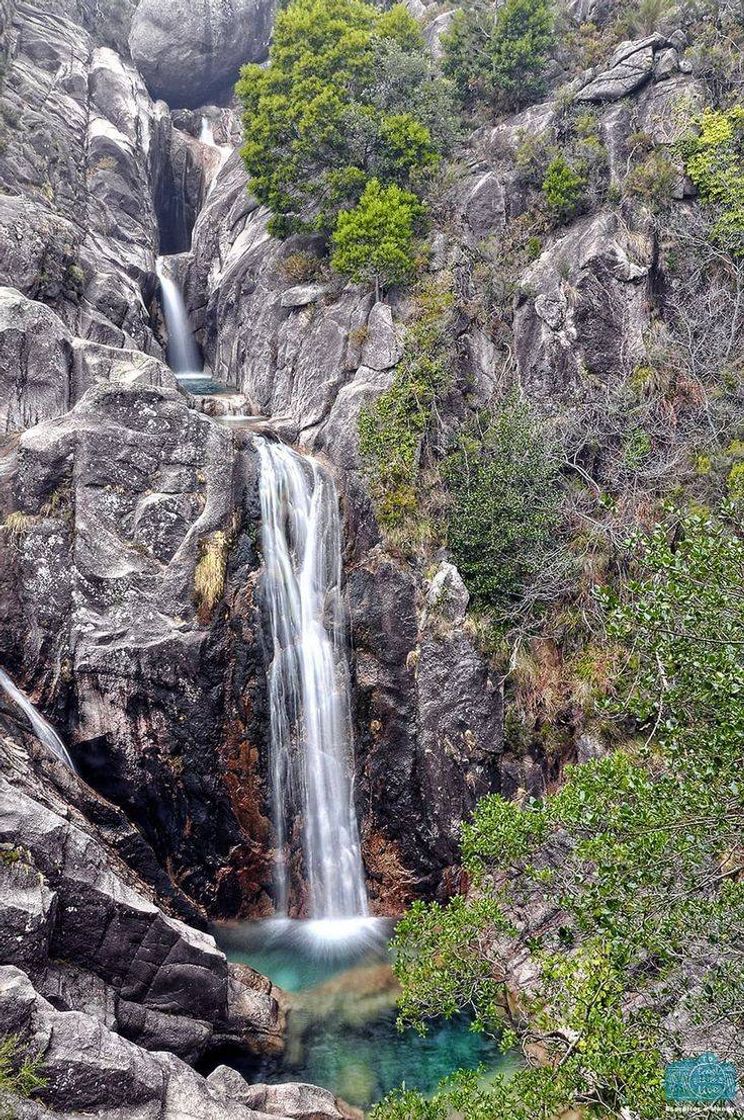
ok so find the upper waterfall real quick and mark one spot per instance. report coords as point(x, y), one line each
point(43, 731)
point(183, 353)
point(309, 690)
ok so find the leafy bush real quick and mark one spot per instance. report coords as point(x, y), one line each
point(714, 160)
point(564, 188)
point(653, 179)
point(499, 53)
point(349, 94)
point(374, 241)
point(503, 480)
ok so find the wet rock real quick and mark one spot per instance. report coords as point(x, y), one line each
point(108, 616)
point(425, 700)
point(88, 931)
point(190, 51)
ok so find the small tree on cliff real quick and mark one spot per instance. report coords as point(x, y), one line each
point(373, 242)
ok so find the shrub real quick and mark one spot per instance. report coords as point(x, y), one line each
point(503, 481)
point(653, 180)
point(209, 576)
point(18, 524)
point(499, 54)
point(637, 858)
point(392, 429)
point(564, 189)
point(373, 243)
point(714, 160)
point(301, 267)
point(19, 1075)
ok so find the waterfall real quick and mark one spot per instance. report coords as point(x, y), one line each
point(42, 730)
point(223, 151)
point(183, 354)
point(309, 692)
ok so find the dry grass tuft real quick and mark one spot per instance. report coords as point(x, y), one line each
point(17, 524)
point(211, 570)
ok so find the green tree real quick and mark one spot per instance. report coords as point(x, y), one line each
point(374, 242)
point(499, 53)
point(503, 480)
point(349, 94)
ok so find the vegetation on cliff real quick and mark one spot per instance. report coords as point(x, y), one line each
point(349, 105)
point(602, 547)
point(20, 1075)
point(630, 876)
point(498, 53)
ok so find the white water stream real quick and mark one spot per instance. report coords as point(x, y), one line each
point(183, 353)
point(42, 730)
point(309, 693)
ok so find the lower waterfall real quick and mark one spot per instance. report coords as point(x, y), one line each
point(309, 692)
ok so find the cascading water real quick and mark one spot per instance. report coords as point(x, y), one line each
point(183, 353)
point(309, 692)
point(222, 152)
point(42, 730)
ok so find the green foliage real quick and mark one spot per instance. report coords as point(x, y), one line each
point(653, 179)
point(503, 480)
point(683, 615)
point(714, 160)
point(19, 1075)
point(564, 188)
point(373, 243)
point(499, 53)
point(349, 95)
point(441, 963)
point(392, 429)
point(638, 855)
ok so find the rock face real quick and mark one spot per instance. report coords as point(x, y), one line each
point(121, 499)
point(90, 1070)
point(84, 926)
point(190, 51)
point(630, 67)
point(559, 333)
point(121, 492)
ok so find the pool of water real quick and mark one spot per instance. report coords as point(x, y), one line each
point(202, 385)
point(341, 1030)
